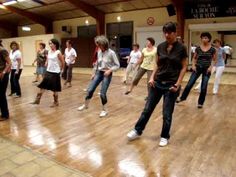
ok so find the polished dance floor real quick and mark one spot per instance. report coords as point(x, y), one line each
point(202, 143)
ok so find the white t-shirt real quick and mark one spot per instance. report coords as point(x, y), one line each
point(134, 56)
point(54, 62)
point(70, 55)
point(193, 49)
point(227, 49)
point(14, 56)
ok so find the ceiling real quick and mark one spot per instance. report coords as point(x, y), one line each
point(63, 9)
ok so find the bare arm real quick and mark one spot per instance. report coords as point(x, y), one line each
point(194, 61)
point(176, 87)
point(7, 67)
point(18, 66)
point(151, 81)
point(140, 60)
point(61, 58)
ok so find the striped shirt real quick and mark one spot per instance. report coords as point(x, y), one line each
point(204, 58)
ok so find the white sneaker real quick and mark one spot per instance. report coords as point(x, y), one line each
point(81, 108)
point(132, 135)
point(103, 113)
point(163, 142)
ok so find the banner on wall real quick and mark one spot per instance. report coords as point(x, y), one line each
point(209, 9)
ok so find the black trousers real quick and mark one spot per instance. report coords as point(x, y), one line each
point(3, 99)
point(15, 84)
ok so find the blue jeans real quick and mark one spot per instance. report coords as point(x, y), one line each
point(99, 77)
point(195, 75)
point(3, 99)
point(154, 96)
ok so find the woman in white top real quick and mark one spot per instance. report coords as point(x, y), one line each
point(134, 56)
point(16, 69)
point(70, 56)
point(51, 80)
point(106, 63)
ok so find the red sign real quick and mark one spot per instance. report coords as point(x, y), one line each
point(150, 20)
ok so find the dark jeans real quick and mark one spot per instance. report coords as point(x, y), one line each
point(15, 84)
point(195, 75)
point(3, 99)
point(67, 73)
point(99, 77)
point(154, 96)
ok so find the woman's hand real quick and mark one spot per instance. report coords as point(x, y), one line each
point(151, 82)
point(174, 88)
point(107, 72)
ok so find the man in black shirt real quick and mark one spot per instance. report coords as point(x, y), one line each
point(165, 81)
point(5, 65)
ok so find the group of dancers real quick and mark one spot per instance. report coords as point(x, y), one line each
point(165, 66)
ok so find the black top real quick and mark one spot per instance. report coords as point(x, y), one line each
point(204, 59)
point(3, 55)
point(169, 64)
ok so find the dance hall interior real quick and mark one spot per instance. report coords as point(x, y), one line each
point(117, 88)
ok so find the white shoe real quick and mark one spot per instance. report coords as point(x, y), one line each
point(103, 113)
point(132, 135)
point(163, 142)
point(81, 108)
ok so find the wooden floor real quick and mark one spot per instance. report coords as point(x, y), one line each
point(202, 144)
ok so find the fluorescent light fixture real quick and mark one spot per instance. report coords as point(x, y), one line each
point(7, 3)
point(21, 0)
point(2, 6)
point(26, 28)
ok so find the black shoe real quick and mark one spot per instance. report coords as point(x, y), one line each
point(127, 92)
point(3, 118)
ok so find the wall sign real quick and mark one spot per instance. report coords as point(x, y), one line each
point(209, 9)
point(150, 20)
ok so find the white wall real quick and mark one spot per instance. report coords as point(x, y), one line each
point(36, 29)
point(231, 40)
point(28, 45)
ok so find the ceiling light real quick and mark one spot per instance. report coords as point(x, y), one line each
point(26, 28)
point(7, 3)
point(21, 0)
point(86, 22)
point(118, 18)
point(2, 6)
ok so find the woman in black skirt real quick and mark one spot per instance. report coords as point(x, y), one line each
point(51, 80)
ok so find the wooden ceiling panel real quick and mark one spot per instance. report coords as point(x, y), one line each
point(68, 14)
point(49, 9)
point(153, 3)
point(26, 5)
point(15, 19)
point(139, 4)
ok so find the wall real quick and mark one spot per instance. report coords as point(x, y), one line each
point(28, 45)
point(196, 36)
point(204, 21)
point(231, 40)
point(4, 33)
point(73, 23)
point(36, 29)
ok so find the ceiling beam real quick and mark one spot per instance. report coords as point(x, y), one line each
point(92, 11)
point(9, 27)
point(36, 18)
point(179, 5)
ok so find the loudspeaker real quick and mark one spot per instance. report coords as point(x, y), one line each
point(66, 29)
point(171, 10)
